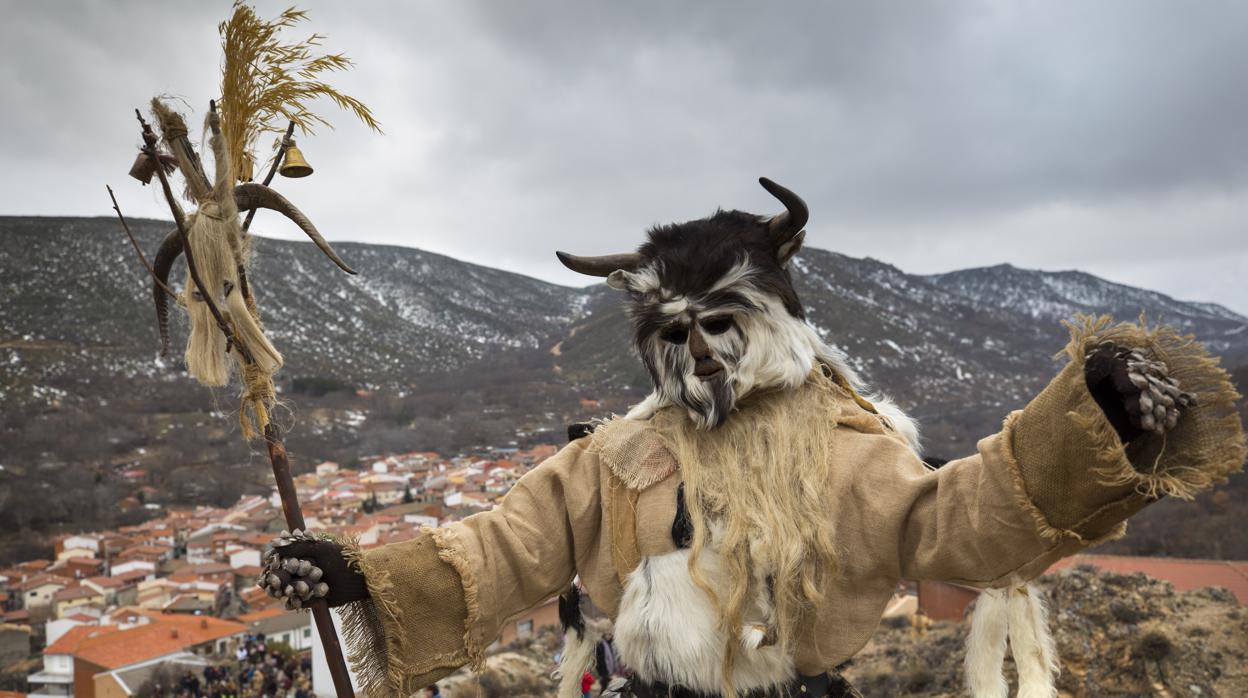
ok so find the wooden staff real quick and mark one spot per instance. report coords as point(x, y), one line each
point(272, 437)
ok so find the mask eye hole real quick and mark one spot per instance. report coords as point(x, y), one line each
point(717, 325)
point(675, 335)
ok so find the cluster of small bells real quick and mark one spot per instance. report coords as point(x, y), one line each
point(297, 581)
point(1160, 401)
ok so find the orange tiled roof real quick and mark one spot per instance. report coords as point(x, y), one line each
point(1184, 574)
point(165, 635)
point(75, 636)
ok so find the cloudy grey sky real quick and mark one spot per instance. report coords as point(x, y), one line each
point(1109, 136)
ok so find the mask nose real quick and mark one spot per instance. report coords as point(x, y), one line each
point(698, 348)
point(703, 365)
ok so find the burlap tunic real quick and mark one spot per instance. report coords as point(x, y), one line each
point(1053, 481)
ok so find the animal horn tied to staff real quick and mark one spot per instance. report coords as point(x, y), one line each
point(221, 250)
point(246, 196)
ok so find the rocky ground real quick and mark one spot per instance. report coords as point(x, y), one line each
point(1118, 635)
point(521, 670)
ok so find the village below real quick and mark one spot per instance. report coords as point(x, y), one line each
point(116, 611)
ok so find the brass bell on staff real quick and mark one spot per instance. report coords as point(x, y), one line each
point(295, 165)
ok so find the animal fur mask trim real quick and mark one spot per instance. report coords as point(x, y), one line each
point(716, 316)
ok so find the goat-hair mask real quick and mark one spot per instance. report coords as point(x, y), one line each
point(742, 528)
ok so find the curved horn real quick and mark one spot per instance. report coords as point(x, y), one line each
point(252, 195)
point(785, 225)
point(170, 250)
point(600, 266)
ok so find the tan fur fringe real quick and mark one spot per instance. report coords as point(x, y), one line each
point(1203, 449)
point(761, 478)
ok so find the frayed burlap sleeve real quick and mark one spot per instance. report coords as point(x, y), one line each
point(1055, 480)
point(438, 601)
point(410, 633)
point(1080, 481)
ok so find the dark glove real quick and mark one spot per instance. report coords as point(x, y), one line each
point(300, 567)
point(1135, 392)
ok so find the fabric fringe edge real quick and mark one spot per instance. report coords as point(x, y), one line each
point(374, 653)
point(1046, 530)
point(1198, 467)
point(451, 551)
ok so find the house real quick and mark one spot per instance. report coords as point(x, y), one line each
point(57, 676)
point(121, 590)
point(77, 567)
point(73, 597)
point(291, 628)
point(53, 630)
point(145, 567)
point(71, 546)
point(190, 604)
point(200, 544)
point(87, 661)
point(155, 553)
point(37, 591)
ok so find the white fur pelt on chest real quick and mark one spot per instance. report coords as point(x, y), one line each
point(666, 629)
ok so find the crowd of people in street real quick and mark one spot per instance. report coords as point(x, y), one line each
point(259, 671)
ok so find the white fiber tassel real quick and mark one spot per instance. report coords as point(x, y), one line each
point(1032, 645)
point(251, 335)
point(205, 347)
point(985, 646)
point(578, 656)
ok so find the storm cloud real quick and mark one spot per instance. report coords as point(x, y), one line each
point(1110, 137)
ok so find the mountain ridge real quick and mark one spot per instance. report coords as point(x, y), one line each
point(422, 351)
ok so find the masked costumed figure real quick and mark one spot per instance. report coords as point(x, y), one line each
point(744, 526)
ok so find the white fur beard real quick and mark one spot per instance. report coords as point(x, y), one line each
point(768, 349)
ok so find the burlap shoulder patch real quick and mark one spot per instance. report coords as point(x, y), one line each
point(633, 452)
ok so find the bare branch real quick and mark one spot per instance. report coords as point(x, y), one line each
point(134, 242)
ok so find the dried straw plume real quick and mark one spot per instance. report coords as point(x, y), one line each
point(267, 82)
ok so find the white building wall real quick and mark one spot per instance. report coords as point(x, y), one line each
point(322, 681)
point(244, 558)
point(58, 663)
point(131, 566)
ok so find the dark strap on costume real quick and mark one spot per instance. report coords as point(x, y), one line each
point(829, 685)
